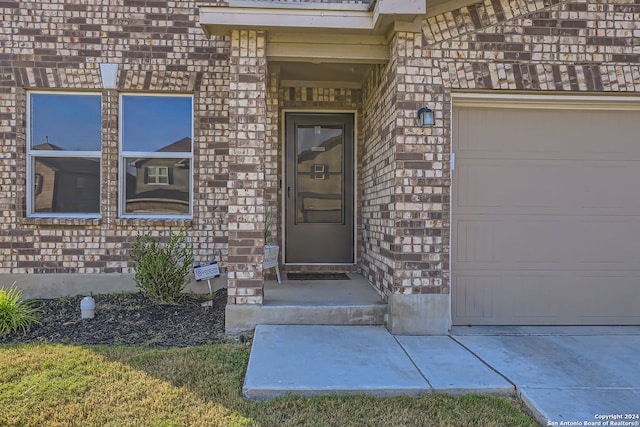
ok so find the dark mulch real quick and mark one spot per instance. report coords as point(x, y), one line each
point(127, 319)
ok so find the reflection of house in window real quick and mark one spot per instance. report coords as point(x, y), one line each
point(37, 183)
point(67, 184)
point(320, 180)
point(159, 184)
point(158, 175)
point(64, 154)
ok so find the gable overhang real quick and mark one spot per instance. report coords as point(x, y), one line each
point(319, 44)
point(331, 18)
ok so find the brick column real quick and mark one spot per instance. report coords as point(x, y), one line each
point(419, 303)
point(247, 125)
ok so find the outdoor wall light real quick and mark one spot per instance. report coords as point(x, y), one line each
point(425, 117)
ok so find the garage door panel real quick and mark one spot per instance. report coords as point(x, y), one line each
point(614, 293)
point(546, 218)
point(518, 295)
point(476, 296)
point(549, 242)
point(550, 134)
point(482, 243)
point(490, 183)
point(547, 186)
point(483, 298)
point(476, 241)
point(470, 122)
point(606, 242)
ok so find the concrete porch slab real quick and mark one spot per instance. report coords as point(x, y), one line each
point(313, 360)
point(312, 302)
point(356, 291)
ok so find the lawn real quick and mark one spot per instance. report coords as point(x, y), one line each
point(65, 385)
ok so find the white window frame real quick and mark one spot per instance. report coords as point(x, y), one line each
point(122, 155)
point(33, 154)
point(157, 175)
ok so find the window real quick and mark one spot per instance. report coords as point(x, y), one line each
point(64, 134)
point(156, 155)
point(157, 175)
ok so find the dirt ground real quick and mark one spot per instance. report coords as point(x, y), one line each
point(127, 319)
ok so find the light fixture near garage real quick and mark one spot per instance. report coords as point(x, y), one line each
point(425, 117)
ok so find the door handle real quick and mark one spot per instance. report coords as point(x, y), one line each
point(288, 192)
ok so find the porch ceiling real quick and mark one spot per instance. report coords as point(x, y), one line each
point(307, 74)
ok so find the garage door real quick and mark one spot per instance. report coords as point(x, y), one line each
point(545, 216)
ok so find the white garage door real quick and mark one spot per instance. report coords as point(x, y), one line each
point(546, 216)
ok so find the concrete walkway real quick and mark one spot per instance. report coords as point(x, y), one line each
point(562, 374)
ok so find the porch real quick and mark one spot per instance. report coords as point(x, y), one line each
point(311, 302)
point(324, 141)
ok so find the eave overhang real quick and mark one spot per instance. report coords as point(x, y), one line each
point(319, 44)
point(330, 18)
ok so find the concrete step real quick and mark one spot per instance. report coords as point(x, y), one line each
point(332, 302)
point(348, 315)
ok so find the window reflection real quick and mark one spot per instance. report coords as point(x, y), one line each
point(153, 123)
point(66, 122)
point(319, 174)
point(156, 154)
point(66, 184)
point(157, 185)
point(65, 133)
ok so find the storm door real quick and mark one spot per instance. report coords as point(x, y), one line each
point(318, 188)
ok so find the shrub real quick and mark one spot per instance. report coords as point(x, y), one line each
point(161, 270)
point(15, 314)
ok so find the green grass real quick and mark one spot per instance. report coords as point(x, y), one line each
point(201, 386)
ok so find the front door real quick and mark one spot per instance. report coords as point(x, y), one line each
point(319, 188)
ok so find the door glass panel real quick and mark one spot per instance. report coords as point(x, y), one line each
point(319, 174)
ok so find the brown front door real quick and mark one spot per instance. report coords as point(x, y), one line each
point(319, 188)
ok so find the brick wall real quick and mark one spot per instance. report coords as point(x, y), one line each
point(377, 176)
point(404, 179)
point(58, 45)
point(564, 46)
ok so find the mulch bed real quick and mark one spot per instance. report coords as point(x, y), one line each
point(128, 319)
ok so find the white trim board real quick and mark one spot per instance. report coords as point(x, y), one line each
point(319, 18)
point(535, 101)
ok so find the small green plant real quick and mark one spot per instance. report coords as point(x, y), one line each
point(15, 314)
point(268, 221)
point(161, 270)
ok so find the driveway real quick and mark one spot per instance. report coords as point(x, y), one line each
point(566, 375)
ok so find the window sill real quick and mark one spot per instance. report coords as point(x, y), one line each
point(154, 222)
point(67, 222)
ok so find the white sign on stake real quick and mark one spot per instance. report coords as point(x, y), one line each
point(206, 272)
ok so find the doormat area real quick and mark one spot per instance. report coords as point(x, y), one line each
point(317, 276)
